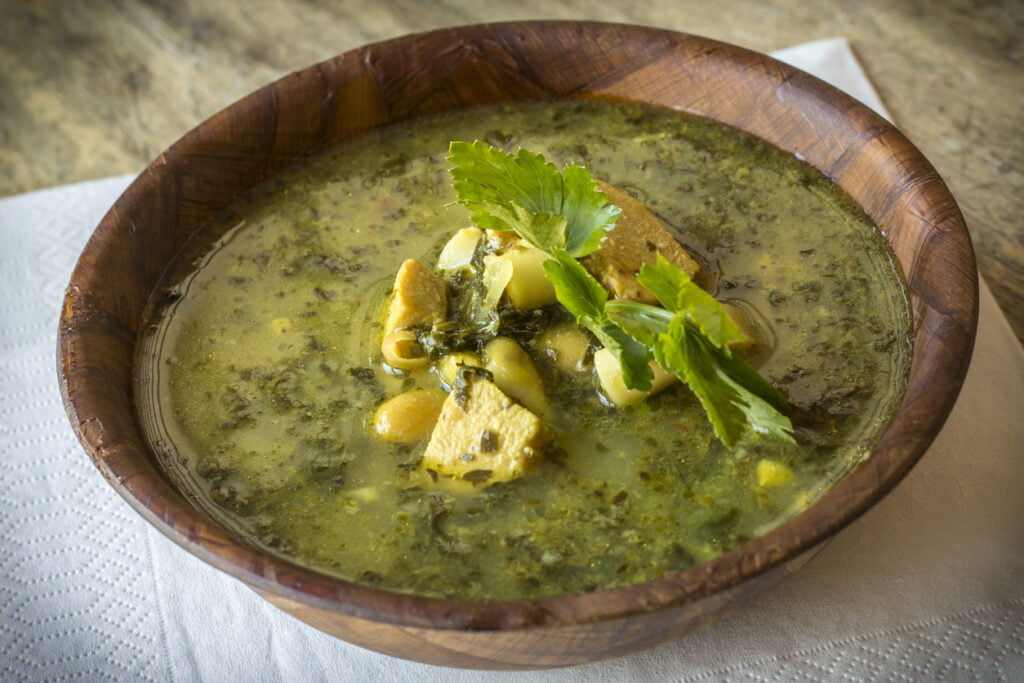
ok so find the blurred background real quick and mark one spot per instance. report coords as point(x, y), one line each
point(99, 88)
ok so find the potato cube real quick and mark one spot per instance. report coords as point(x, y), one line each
point(771, 473)
point(609, 374)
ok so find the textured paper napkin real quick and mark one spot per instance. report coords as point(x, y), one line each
point(926, 585)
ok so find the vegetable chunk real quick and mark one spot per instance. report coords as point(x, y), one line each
point(419, 297)
point(771, 473)
point(636, 240)
point(566, 346)
point(514, 373)
point(409, 416)
point(458, 251)
point(482, 435)
point(527, 287)
point(609, 374)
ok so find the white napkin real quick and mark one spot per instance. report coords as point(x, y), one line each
point(832, 60)
point(927, 585)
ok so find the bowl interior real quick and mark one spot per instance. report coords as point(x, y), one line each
point(433, 72)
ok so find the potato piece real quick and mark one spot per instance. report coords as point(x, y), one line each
point(529, 287)
point(771, 473)
point(497, 275)
point(458, 252)
point(566, 345)
point(483, 436)
point(637, 239)
point(521, 269)
point(609, 373)
point(514, 373)
point(521, 277)
point(419, 297)
point(410, 416)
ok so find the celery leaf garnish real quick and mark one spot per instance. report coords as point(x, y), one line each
point(690, 337)
point(526, 194)
point(566, 216)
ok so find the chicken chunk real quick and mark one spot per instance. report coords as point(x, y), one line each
point(637, 239)
point(419, 297)
point(482, 435)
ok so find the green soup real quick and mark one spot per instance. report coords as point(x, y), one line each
point(260, 368)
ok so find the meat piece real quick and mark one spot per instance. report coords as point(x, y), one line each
point(419, 298)
point(482, 435)
point(637, 239)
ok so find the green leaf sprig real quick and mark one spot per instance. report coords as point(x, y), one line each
point(566, 216)
point(690, 337)
point(525, 193)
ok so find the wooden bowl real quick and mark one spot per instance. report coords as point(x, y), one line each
point(446, 69)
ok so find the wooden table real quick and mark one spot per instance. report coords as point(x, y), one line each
point(91, 89)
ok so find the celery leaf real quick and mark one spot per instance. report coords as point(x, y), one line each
point(566, 216)
point(690, 337)
point(528, 195)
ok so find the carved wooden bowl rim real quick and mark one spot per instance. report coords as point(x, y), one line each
point(264, 131)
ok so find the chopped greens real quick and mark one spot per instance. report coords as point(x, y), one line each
point(566, 216)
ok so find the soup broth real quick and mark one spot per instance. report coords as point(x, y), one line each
point(260, 368)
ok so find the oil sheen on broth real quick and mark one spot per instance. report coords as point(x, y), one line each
point(260, 369)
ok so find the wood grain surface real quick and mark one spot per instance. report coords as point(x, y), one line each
point(340, 98)
point(90, 89)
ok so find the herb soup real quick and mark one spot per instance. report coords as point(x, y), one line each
point(260, 369)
